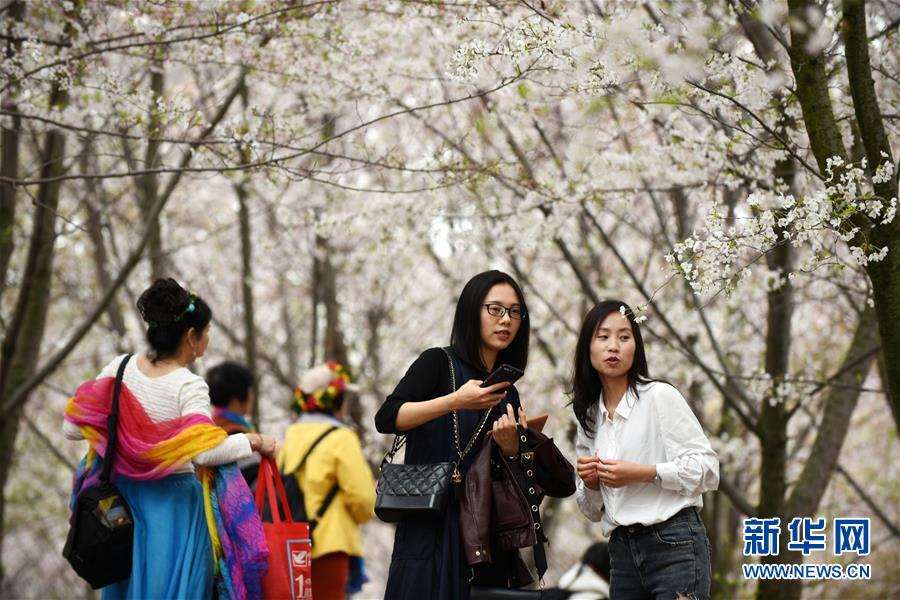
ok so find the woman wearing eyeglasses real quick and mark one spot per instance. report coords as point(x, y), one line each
point(490, 328)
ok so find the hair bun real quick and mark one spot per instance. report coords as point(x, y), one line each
point(163, 301)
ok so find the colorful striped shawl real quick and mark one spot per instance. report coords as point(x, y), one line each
point(149, 450)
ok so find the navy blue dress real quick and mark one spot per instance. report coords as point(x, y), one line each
point(428, 555)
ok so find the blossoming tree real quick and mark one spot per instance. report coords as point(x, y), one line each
point(329, 174)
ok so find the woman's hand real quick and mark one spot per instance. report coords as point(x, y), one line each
point(619, 473)
point(474, 397)
point(469, 396)
point(505, 431)
point(264, 444)
point(589, 472)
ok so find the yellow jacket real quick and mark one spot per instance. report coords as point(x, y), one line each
point(337, 458)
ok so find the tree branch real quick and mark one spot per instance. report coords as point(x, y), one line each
point(812, 86)
point(20, 394)
point(872, 504)
point(729, 398)
point(862, 89)
point(832, 431)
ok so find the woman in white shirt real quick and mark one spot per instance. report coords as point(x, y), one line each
point(164, 431)
point(643, 463)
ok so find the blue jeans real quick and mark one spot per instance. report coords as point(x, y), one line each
point(660, 562)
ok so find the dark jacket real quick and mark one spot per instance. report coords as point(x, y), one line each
point(494, 508)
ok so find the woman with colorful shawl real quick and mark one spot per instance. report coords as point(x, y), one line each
point(192, 530)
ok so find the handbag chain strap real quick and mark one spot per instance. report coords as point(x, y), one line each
point(400, 440)
point(457, 476)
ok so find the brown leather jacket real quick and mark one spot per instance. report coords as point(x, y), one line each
point(494, 508)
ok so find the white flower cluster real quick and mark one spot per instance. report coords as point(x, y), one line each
point(637, 311)
point(520, 47)
point(885, 170)
point(718, 257)
point(463, 66)
point(148, 25)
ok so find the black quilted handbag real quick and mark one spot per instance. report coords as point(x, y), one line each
point(412, 490)
point(420, 491)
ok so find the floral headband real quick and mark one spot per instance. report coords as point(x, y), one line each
point(323, 399)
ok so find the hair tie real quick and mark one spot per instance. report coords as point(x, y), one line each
point(190, 307)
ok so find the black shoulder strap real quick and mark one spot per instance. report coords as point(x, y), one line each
point(325, 504)
point(400, 438)
point(329, 498)
point(321, 437)
point(112, 423)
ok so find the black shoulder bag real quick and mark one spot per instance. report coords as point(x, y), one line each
point(417, 491)
point(101, 531)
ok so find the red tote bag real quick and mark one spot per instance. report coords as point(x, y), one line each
point(290, 546)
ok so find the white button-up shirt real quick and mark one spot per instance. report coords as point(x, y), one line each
point(655, 427)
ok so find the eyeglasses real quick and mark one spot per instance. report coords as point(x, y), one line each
point(498, 310)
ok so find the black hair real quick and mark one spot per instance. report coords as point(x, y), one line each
point(166, 307)
point(586, 383)
point(466, 335)
point(229, 381)
point(597, 558)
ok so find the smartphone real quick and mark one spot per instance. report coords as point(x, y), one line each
point(503, 373)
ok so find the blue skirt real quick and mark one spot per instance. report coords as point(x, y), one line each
point(172, 555)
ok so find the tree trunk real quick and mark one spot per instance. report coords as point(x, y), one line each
point(334, 346)
point(148, 184)
point(9, 157)
point(22, 343)
point(885, 275)
point(9, 167)
point(250, 350)
point(101, 267)
point(812, 86)
point(840, 403)
point(94, 226)
point(315, 293)
point(883, 376)
point(250, 354)
point(774, 414)
point(825, 142)
point(724, 521)
point(290, 351)
point(817, 472)
point(376, 316)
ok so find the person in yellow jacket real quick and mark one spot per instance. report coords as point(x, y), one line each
point(335, 462)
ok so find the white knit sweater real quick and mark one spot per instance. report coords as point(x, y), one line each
point(169, 396)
